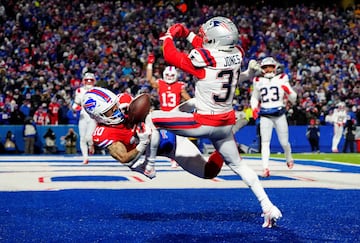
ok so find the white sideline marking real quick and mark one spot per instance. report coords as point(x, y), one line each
point(35, 173)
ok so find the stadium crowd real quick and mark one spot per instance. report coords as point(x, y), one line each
point(47, 46)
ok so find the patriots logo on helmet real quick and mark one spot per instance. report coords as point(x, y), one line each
point(221, 23)
point(90, 105)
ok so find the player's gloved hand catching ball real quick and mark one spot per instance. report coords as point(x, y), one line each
point(178, 31)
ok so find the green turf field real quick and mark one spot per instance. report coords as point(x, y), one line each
point(353, 158)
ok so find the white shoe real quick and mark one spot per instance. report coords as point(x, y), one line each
point(150, 171)
point(142, 166)
point(290, 164)
point(270, 217)
point(174, 164)
point(266, 173)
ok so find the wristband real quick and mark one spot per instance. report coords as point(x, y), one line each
point(150, 66)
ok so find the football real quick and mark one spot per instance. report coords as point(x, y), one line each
point(139, 108)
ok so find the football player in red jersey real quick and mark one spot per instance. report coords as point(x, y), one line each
point(170, 90)
point(130, 145)
point(215, 61)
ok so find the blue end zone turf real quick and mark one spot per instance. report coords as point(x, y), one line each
point(188, 215)
point(139, 212)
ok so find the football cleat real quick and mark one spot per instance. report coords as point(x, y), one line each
point(86, 161)
point(266, 173)
point(174, 164)
point(142, 166)
point(150, 171)
point(271, 217)
point(290, 164)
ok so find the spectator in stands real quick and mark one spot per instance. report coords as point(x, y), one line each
point(72, 116)
point(54, 107)
point(25, 108)
point(58, 56)
point(41, 116)
point(63, 110)
point(30, 135)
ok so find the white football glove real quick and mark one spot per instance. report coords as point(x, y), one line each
point(143, 132)
point(254, 66)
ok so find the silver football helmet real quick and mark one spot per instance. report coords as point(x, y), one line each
point(219, 33)
point(170, 74)
point(98, 101)
point(269, 61)
point(89, 80)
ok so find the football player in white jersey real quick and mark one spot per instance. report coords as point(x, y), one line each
point(338, 118)
point(270, 92)
point(216, 63)
point(86, 124)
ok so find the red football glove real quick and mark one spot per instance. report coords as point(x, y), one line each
point(178, 31)
point(286, 89)
point(151, 58)
point(255, 113)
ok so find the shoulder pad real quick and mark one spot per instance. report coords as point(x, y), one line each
point(201, 57)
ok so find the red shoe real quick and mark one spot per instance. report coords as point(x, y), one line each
point(214, 165)
point(86, 161)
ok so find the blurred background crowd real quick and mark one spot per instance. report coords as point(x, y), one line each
point(47, 46)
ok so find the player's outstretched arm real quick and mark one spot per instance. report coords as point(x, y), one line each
point(118, 151)
point(149, 71)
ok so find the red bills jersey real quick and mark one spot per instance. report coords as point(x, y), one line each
point(104, 136)
point(169, 94)
point(54, 113)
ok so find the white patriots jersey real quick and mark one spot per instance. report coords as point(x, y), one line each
point(214, 93)
point(340, 116)
point(269, 92)
point(78, 100)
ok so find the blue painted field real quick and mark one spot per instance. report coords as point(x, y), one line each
point(99, 203)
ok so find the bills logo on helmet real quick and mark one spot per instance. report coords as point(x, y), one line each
point(90, 105)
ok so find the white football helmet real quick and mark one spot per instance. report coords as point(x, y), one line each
point(98, 101)
point(170, 74)
point(219, 33)
point(269, 61)
point(89, 80)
